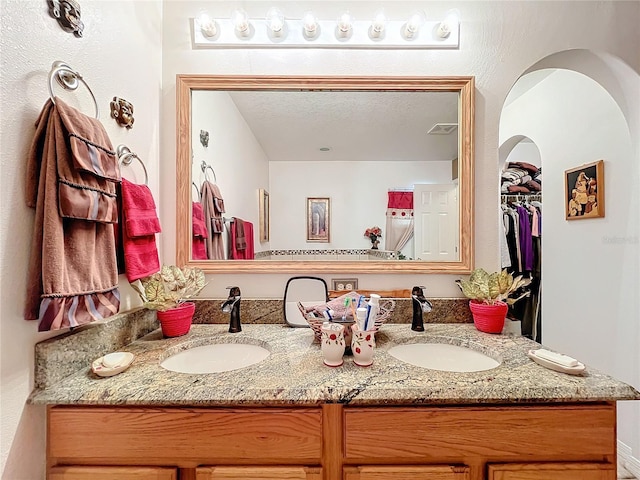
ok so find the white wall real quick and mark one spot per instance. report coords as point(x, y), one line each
point(358, 193)
point(119, 55)
point(524, 151)
point(235, 155)
point(590, 278)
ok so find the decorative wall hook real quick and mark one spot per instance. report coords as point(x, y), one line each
point(67, 12)
point(204, 138)
point(122, 112)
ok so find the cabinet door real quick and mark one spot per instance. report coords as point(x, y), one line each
point(552, 471)
point(112, 473)
point(399, 472)
point(258, 473)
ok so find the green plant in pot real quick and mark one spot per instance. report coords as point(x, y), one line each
point(167, 292)
point(491, 294)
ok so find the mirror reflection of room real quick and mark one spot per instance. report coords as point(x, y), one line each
point(385, 159)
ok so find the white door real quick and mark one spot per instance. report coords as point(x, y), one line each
point(436, 222)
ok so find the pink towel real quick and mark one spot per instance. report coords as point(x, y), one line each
point(199, 229)
point(248, 252)
point(139, 225)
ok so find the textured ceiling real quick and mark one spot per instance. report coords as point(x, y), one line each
point(373, 126)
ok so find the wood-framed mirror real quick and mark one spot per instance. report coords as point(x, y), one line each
point(403, 107)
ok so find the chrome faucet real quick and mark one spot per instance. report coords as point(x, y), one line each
point(232, 306)
point(420, 305)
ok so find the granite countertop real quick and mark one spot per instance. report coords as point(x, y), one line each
point(294, 374)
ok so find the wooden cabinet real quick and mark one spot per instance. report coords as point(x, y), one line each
point(334, 442)
point(112, 473)
point(258, 473)
point(552, 471)
point(399, 472)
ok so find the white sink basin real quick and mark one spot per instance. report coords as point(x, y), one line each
point(442, 356)
point(219, 357)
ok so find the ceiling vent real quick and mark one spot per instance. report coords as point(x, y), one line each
point(442, 128)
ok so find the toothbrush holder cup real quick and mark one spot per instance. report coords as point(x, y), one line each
point(363, 344)
point(333, 344)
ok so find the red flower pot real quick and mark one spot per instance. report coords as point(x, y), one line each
point(488, 318)
point(177, 321)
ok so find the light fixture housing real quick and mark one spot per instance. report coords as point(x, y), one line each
point(207, 25)
point(412, 28)
point(450, 23)
point(278, 31)
point(275, 22)
point(378, 26)
point(241, 23)
point(310, 26)
point(344, 25)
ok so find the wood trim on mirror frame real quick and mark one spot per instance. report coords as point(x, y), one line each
point(465, 86)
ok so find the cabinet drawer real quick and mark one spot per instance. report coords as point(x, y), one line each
point(259, 473)
point(452, 434)
point(184, 437)
point(552, 471)
point(400, 472)
point(112, 473)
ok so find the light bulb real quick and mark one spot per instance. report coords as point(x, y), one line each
point(412, 27)
point(345, 24)
point(275, 21)
point(207, 25)
point(449, 24)
point(310, 25)
point(378, 25)
point(240, 21)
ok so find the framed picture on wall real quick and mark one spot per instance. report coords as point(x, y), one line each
point(584, 191)
point(264, 214)
point(318, 219)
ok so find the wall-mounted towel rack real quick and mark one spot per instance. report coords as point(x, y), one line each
point(69, 79)
point(193, 184)
point(126, 156)
point(205, 167)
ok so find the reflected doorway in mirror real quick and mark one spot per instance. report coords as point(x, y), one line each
point(318, 219)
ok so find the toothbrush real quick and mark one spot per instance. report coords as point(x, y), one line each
point(353, 308)
point(346, 306)
point(366, 321)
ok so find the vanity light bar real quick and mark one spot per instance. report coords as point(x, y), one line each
point(343, 32)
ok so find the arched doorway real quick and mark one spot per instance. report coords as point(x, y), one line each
point(579, 107)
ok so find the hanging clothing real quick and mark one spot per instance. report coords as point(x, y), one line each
point(213, 208)
point(522, 225)
point(138, 225)
point(399, 220)
point(72, 172)
point(241, 233)
point(199, 232)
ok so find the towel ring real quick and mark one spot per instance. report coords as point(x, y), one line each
point(205, 166)
point(68, 79)
point(193, 184)
point(126, 156)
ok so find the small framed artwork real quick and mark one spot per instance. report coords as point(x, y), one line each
point(344, 284)
point(264, 215)
point(318, 219)
point(584, 191)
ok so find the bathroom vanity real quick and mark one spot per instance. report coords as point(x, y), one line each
point(291, 417)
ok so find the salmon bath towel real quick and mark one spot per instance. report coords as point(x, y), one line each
point(72, 173)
